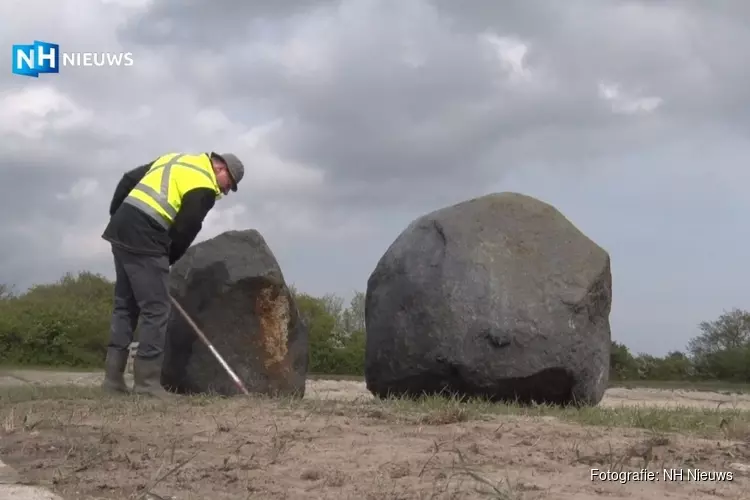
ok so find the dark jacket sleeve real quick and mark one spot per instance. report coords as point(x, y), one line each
point(126, 184)
point(196, 204)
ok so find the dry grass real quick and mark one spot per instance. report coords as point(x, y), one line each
point(88, 445)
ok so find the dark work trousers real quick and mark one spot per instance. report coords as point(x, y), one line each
point(141, 292)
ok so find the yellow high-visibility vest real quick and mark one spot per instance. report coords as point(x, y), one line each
point(160, 192)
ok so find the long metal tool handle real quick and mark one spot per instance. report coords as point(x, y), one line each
point(211, 348)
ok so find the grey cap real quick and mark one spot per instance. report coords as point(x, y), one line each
point(235, 167)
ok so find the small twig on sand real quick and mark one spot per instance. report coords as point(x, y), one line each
point(147, 492)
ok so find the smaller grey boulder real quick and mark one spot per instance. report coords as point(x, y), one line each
point(233, 289)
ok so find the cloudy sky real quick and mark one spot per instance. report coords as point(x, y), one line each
point(354, 117)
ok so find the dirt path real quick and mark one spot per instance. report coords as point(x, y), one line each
point(352, 390)
point(341, 444)
point(234, 450)
point(355, 390)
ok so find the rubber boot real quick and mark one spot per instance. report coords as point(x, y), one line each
point(114, 371)
point(147, 375)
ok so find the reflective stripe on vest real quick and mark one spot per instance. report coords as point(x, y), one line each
point(161, 197)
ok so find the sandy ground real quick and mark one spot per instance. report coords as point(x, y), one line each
point(352, 390)
point(341, 444)
point(355, 391)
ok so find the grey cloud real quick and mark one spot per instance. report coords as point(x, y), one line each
point(384, 110)
point(687, 51)
point(367, 117)
point(357, 129)
point(198, 23)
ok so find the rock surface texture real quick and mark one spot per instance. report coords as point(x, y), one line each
point(499, 297)
point(233, 289)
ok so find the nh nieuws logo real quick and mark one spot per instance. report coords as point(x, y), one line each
point(43, 57)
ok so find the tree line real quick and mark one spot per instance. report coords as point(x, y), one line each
point(66, 324)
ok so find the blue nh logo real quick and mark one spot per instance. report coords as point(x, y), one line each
point(39, 57)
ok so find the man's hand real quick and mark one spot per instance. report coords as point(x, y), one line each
point(196, 204)
point(173, 256)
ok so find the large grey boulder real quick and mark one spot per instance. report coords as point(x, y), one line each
point(498, 297)
point(234, 290)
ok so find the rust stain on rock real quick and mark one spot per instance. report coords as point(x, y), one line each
point(272, 309)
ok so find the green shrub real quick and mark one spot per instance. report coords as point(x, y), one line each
point(66, 324)
point(333, 350)
point(60, 324)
